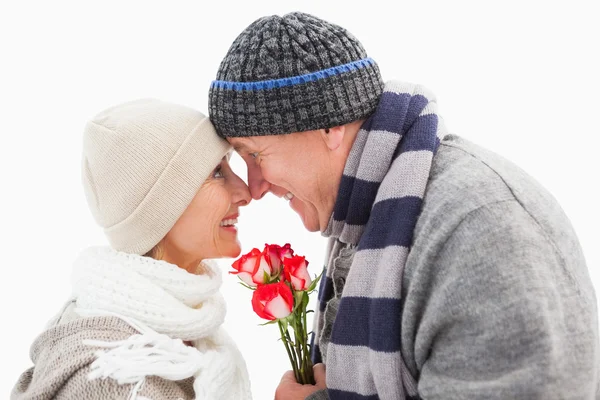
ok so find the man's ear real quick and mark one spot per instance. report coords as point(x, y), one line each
point(334, 136)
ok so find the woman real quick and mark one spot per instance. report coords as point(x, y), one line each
point(145, 318)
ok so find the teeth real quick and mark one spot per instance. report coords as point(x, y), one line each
point(229, 222)
point(288, 196)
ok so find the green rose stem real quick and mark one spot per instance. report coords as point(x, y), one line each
point(308, 361)
point(294, 355)
point(297, 349)
point(300, 346)
point(293, 361)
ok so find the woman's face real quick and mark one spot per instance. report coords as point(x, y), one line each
point(207, 227)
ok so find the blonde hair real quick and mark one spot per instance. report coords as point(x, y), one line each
point(157, 252)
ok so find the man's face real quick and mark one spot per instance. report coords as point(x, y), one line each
point(295, 167)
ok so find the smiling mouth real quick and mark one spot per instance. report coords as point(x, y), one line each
point(228, 223)
point(288, 196)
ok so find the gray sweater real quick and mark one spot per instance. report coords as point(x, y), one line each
point(498, 300)
point(62, 363)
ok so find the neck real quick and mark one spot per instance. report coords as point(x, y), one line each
point(350, 136)
point(188, 262)
point(337, 168)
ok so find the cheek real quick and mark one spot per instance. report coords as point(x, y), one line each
point(269, 172)
point(199, 223)
point(214, 209)
point(280, 172)
point(300, 181)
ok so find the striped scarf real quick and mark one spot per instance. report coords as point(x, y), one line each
point(377, 207)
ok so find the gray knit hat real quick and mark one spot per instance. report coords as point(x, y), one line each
point(143, 163)
point(292, 74)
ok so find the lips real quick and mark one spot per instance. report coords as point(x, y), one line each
point(288, 196)
point(229, 221)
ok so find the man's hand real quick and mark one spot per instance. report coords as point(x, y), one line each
point(289, 389)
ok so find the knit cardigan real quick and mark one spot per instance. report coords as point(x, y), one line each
point(136, 328)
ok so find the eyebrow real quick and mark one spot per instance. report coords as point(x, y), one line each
point(240, 148)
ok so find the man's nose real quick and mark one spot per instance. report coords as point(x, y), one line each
point(257, 184)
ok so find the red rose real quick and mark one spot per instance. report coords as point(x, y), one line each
point(275, 254)
point(286, 251)
point(273, 301)
point(296, 272)
point(271, 253)
point(252, 268)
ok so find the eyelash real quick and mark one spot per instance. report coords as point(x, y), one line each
point(253, 155)
point(218, 173)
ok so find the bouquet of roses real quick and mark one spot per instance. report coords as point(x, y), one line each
point(281, 286)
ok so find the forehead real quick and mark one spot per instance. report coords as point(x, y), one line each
point(252, 143)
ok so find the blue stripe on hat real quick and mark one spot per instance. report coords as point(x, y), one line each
point(294, 80)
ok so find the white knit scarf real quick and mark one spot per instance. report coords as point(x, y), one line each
point(167, 305)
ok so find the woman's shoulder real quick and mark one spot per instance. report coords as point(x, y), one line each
point(68, 328)
point(62, 362)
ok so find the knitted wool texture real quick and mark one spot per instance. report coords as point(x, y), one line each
point(292, 74)
point(143, 163)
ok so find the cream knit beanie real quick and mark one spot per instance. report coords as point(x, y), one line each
point(143, 163)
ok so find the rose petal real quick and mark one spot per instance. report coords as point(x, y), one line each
point(273, 301)
point(246, 278)
point(302, 273)
point(259, 274)
point(271, 253)
point(296, 272)
point(286, 251)
point(248, 264)
point(278, 307)
point(298, 284)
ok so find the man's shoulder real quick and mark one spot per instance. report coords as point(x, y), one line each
point(469, 184)
point(465, 177)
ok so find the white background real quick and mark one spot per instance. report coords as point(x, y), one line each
point(518, 77)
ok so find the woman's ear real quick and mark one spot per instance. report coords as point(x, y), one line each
point(334, 136)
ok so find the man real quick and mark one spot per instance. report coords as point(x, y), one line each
point(450, 272)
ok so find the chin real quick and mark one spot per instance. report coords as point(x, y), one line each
point(231, 250)
point(235, 253)
point(310, 225)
